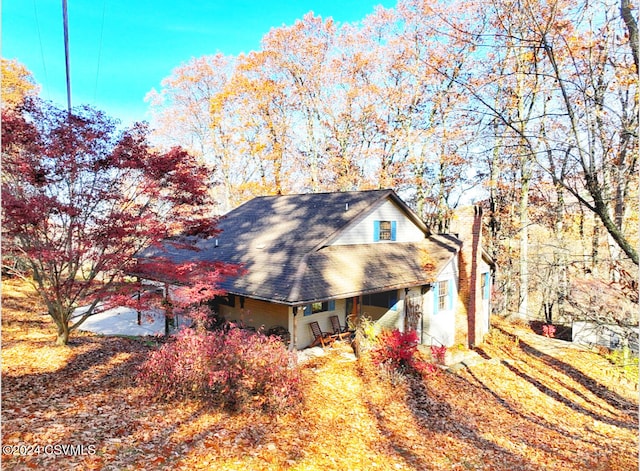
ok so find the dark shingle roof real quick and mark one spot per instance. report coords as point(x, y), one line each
point(342, 271)
point(280, 242)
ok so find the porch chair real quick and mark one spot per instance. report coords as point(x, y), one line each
point(319, 337)
point(338, 331)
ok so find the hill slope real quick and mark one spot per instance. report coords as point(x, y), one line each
point(525, 404)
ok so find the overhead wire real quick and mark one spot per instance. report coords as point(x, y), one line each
point(95, 87)
point(44, 65)
point(65, 24)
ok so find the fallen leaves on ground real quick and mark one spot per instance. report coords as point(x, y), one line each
point(522, 407)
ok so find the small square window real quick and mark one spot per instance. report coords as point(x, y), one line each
point(385, 230)
point(314, 308)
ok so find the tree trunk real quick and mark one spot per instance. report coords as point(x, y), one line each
point(601, 209)
point(524, 240)
point(626, 11)
point(560, 253)
point(595, 246)
point(63, 334)
point(168, 311)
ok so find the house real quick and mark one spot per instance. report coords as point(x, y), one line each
point(612, 336)
point(350, 254)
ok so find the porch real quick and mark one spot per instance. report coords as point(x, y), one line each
point(393, 309)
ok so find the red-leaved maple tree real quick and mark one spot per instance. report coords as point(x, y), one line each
point(80, 201)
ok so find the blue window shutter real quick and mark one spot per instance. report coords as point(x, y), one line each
point(376, 231)
point(393, 230)
point(435, 298)
point(451, 287)
point(307, 310)
point(331, 305)
point(487, 287)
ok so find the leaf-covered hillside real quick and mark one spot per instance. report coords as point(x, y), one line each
point(525, 403)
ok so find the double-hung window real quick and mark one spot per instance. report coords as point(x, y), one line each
point(384, 230)
point(443, 296)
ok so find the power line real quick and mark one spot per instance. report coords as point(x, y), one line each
point(65, 22)
point(95, 88)
point(44, 65)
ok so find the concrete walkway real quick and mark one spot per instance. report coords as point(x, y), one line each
point(124, 321)
point(315, 352)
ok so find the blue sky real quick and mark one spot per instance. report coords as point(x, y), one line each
point(121, 49)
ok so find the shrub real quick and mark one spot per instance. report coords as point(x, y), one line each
point(438, 353)
point(391, 375)
point(368, 329)
point(398, 350)
point(626, 362)
point(549, 330)
point(365, 337)
point(232, 368)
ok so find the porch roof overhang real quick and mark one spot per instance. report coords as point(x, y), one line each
point(343, 271)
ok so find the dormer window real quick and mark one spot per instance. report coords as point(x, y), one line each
point(384, 230)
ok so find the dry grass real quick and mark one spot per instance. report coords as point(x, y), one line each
point(524, 406)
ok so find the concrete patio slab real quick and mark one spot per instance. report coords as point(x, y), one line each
point(124, 321)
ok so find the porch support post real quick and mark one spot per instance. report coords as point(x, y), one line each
point(355, 345)
point(405, 311)
point(293, 344)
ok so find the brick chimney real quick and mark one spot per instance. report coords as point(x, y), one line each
point(466, 224)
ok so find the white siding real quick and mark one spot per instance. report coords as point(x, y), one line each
point(433, 329)
point(484, 315)
point(362, 232)
point(439, 328)
point(304, 337)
